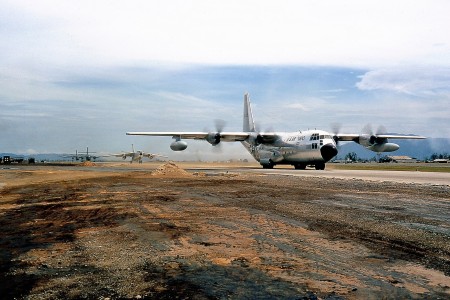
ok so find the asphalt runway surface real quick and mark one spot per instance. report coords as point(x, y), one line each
point(434, 178)
point(392, 176)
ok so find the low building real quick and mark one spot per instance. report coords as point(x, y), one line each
point(441, 160)
point(402, 159)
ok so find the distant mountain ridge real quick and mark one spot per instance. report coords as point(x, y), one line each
point(420, 149)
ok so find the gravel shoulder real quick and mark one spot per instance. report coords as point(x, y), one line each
point(167, 234)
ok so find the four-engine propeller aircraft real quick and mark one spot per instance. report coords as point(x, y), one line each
point(136, 155)
point(80, 155)
point(299, 148)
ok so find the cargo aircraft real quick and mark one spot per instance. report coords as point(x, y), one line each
point(299, 148)
point(136, 155)
point(80, 155)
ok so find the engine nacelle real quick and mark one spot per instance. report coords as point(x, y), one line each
point(213, 138)
point(367, 140)
point(385, 147)
point(178, 146)
point(253, 139)
point(124, 157)
point(257, 138)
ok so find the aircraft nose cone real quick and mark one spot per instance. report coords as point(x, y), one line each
point(328, 151)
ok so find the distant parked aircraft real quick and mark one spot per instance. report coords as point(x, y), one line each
point(83, 155)
point(137, 155)
point(299, 148)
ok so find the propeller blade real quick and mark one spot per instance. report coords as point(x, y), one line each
point(220, 125)
point(381, 130)
point(218, 148)
point(336, 129)
point(257, 127)
point(367, 129)
point(270, 129)
point(214, 137)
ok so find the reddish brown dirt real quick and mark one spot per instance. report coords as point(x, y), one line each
point(76, 233)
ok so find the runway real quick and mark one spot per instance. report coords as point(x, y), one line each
point(434, 178)
point(409, 177)
point(431, 178)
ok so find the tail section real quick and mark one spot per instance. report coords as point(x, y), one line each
point(249, 125)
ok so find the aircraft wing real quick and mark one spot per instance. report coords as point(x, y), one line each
point(151, 155)
point(354, 136)
point(400, 136)
point(225, 136)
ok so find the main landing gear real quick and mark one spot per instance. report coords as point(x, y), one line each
point(320, 166)
point(267, 166)
point(302, 166)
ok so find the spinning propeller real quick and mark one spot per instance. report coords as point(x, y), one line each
point(214, 137)
point(335, 129)
point(367, 133)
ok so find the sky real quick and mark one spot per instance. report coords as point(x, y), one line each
point(77, 74)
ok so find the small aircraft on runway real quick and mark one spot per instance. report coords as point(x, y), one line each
point(136, 155)
point(299, 148)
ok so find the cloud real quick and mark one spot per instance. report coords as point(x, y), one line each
point(297, 106)
point(420, 81)
point(178, 98)
point(339, 33)
point(71, 108)
point(307, 104)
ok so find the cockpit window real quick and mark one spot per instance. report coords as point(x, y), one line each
point(314, 137)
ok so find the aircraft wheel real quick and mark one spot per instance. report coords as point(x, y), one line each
point(320, 166)
point(267, 166)
point(300, 166)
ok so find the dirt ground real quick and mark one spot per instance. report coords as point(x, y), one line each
point(109, 233)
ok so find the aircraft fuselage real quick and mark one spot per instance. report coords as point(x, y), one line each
point(299, 148)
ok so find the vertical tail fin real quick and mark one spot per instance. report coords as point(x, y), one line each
point(132, 148)
point(249, 125)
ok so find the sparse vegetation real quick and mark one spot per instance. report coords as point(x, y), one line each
point(351, 156)
point(438, 156)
